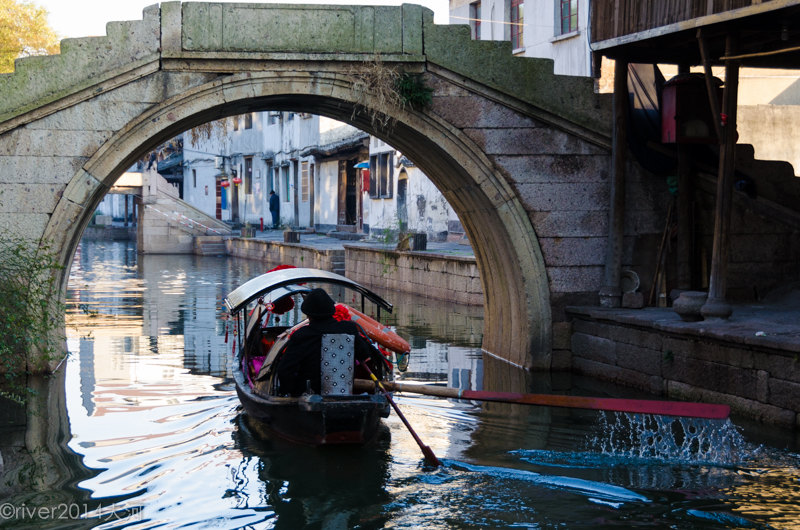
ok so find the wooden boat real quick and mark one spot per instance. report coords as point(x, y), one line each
point(264, 312)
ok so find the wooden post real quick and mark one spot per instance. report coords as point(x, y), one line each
point(717, 307)
point(610, 294)
point(125, 198)
point(685, 249)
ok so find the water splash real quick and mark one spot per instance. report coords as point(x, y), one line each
point(679, 440)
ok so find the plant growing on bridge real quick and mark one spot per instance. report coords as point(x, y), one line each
point(380, 90)
point(30, 310)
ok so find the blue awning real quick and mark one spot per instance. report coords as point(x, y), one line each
point(362, 165)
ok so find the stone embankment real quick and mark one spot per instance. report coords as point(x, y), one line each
point(445, 271)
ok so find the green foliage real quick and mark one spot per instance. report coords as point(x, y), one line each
point(30, 310)
point(24, 31)
point(413, 91)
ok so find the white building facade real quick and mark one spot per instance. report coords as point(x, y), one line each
point(310, 162)
point(550, 29)
point(400, 197)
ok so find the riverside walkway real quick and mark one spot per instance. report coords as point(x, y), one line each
point(323, 241)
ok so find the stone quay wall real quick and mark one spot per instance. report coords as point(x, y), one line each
point(278, 253)
point(758, 382)
point(439, 276)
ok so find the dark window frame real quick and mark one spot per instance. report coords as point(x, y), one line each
point(568, 16)
point(517, 21)
point(475, 19)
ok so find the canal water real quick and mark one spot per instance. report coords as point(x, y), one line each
point(149, 432)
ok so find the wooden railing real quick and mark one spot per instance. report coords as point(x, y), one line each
point(616, 18)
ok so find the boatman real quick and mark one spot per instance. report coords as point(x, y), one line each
point(299, 366)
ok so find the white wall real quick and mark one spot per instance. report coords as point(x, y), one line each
point(202, 195)
point(427, 209)
point(327, 192)
point(541, 33)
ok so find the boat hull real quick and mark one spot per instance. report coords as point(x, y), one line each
point(314, 419)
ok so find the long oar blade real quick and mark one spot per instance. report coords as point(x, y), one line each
point(636, 406)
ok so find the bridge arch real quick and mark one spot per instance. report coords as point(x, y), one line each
point(520, 154)
point(517, 311)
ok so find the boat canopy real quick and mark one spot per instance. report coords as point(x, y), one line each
point(276, 284)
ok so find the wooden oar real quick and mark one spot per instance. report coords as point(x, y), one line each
point(427, 451)
point(636, 406)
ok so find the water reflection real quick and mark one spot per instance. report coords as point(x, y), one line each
point(331, 487)
point(149, 432)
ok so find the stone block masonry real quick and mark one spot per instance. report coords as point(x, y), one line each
point(439, 276)
point(278, 253)
point(686, 361)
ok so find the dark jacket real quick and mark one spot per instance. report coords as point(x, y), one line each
point(274, 203)
point(300, 362)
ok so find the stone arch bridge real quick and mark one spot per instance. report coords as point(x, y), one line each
point(522, 155)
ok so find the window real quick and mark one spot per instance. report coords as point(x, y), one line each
point(517, 23)
point(276, 181)
point(475, 19)
point(248, 120)
point(248, 175)
point(569, 16)
point(194, 178)
point(236, 123)
point(381, 183)
point(286, 183)
point(304, 185)
point(273, 117)
point(290, 116)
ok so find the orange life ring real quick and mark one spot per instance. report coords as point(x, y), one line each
point(378, 332)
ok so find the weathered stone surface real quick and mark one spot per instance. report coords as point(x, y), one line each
point(571, 279)
point(784, 394)
point(27, 198)
point(561, 168)
point(778, 365)
point(155, 88)
point(594, 348)
point(36, 170)
point(567, 196)
point(24, 225)
point(640, 359)
point(82, 63)
point(571, 223)
point(499, 139)
point(571, 251)
point(91, 116)
point(741, 406)
point(47, 142)
point(617, 374)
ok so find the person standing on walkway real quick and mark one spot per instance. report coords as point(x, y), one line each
point(274, 208)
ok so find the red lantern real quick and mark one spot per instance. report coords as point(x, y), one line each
point(237, 180)
point(224, 183)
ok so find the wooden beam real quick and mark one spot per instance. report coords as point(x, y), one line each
point(759, 54)
point(685, 253)
point(610, 294)
point(712, 92)
point(716, 307)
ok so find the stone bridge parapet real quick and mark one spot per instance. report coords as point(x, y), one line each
point(522, 155)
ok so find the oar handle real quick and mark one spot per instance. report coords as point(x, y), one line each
point(634, 406)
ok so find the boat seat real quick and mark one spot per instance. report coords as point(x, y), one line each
point(337, 359)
